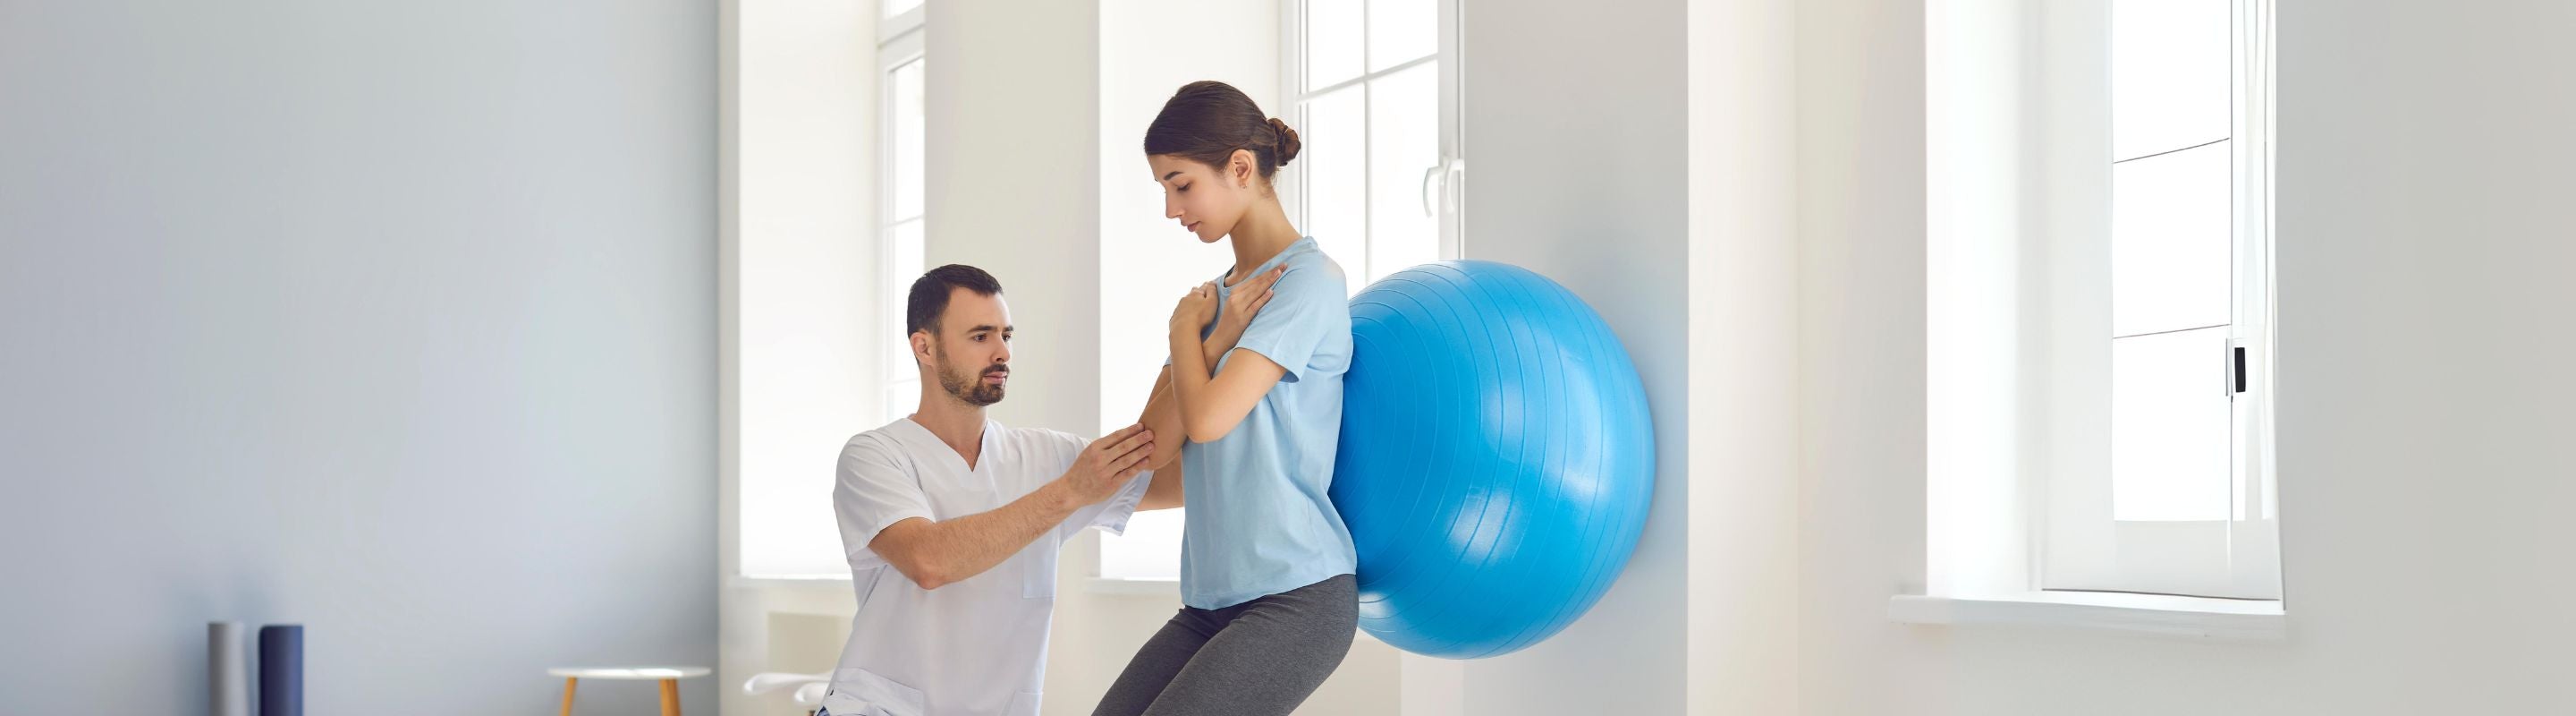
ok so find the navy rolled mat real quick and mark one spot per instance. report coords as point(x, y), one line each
point(281, 670)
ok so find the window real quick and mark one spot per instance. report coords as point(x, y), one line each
point(806, 346)
point(2098, 299)
point(2181, 501)
point(901, 201)
point(1371, 87)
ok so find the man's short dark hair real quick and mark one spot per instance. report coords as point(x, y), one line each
point(930, 294)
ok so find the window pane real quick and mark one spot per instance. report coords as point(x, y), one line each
point(1333, 44)
point(1404, 142)
point(1335, 166)
point(1401, 31)
point(2172, 241)
point(904, 265)
point(2169, 75)
point(898, 7)
point(910, 140)
point(908, 262)
point(1151, 548)
point(901, 397)
point(2170, 427)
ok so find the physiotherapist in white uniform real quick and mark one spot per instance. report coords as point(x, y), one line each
point(952, 522)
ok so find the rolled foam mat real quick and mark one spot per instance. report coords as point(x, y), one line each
point(227, 669)
point(281, 670)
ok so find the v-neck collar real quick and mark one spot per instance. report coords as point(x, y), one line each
point(983, 445)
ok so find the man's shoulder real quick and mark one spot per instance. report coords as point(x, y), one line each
point(885, 441)
point(1043, 437)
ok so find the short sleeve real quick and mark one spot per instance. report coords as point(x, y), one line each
point(877, 488)
point(1111, 514)
point(1306, 308)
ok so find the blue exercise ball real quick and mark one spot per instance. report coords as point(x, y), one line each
point(1496, 458)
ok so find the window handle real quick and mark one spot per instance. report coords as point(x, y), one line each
point(1428, 208)
point(1446, 172)
point(2235, 368)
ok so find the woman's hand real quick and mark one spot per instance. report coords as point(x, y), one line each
point(1195, 310)
point(1244, 303)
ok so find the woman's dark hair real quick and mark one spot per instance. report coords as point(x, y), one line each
point(1207, 120)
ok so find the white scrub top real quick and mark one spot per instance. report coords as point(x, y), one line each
point(975, 647)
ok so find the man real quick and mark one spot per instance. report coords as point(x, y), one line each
point(952, 521)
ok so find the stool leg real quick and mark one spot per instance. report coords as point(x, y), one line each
point(670, 697)
point(568, 684)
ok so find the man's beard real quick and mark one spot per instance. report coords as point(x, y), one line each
point(969, 390)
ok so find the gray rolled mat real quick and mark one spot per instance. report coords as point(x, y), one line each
point(227, 669)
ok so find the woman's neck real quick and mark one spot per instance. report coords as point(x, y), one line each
point(1263, 233)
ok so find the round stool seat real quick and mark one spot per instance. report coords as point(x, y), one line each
point(670, 677)
point(629, 673)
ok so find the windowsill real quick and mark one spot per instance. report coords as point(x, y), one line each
point(1133, 587)
point(2237, 620)
point(788, 581)
point(1094, 585)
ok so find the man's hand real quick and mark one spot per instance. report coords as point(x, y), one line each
point(933, 554)
point(1106, 464)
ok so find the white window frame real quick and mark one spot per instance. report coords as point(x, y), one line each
point(899, 42)
point(2017, 312)
point(1443, 185)
point(2081, 546)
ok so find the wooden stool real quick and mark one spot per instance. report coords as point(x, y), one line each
point(670, 677)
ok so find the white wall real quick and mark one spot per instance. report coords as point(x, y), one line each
point(1014, 186)
point(2421, 268)
point(1579, 122)
point(1861, 274)
point(395, 320)
point(1742, 600)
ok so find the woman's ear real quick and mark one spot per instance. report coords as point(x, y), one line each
point(1239, 167)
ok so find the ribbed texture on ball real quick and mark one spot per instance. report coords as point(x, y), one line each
point(1496, 458)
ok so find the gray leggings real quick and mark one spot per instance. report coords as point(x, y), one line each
point(1260, 657)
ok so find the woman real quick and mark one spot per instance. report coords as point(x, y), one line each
point(1255, 382)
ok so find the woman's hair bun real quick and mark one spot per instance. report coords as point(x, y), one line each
point(1287, 141)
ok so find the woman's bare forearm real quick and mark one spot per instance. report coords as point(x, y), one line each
point(1211, 406)
point(1163, 409)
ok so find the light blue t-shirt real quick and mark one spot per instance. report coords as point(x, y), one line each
point(1259, 522)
